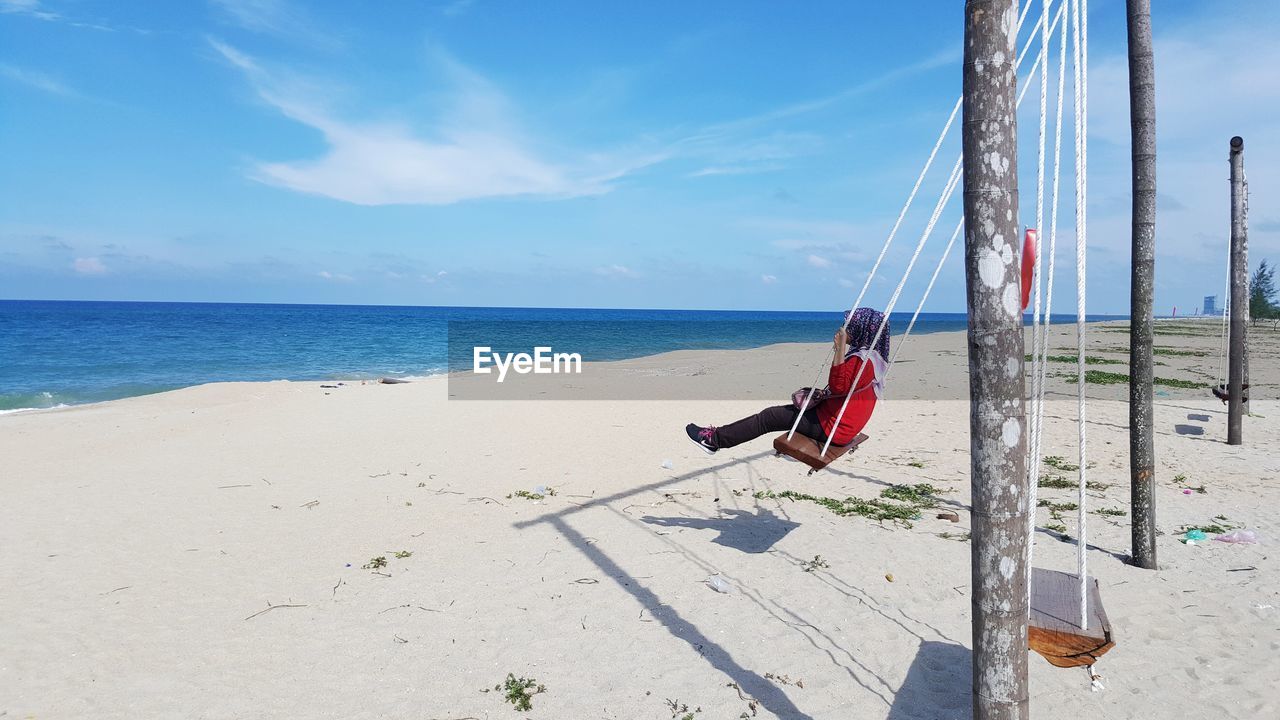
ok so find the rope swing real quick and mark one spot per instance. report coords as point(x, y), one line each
point(1067, 623)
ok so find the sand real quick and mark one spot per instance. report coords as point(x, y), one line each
point(199, 553)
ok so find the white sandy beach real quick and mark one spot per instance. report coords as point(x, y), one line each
point(143, 538)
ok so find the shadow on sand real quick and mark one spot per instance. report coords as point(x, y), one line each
point(751, 683)
point(938, 684)
point(739, 529)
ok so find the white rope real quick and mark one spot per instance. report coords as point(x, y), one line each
point(1043, 61)
point(947, 192)
point(1080, 8)
point(893, 233)
point(936, 270)
point(952, 182)
point(1226, 310)
point(1040, 366)
point(885, 248)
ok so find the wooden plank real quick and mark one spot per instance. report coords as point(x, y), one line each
point(1054, 630)
point(807, 451)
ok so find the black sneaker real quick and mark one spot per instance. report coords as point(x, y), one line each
point(703, 437)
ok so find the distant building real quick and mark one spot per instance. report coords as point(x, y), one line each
point(1210, 304)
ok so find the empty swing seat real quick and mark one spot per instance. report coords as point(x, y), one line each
point(809, 452)
point(1223, 393)
point(1054, 629)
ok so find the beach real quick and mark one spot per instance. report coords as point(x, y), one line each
point(212, 552)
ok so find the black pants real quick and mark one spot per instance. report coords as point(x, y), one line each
point(773, 419)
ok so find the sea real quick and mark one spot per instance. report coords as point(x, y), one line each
point(57, 353)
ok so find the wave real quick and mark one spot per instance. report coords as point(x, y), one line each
point(11, 411)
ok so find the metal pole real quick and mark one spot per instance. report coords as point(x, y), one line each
point(1142, 122)
point(997, 411)
point(1239, 295)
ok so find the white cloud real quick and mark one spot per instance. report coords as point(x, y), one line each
point(35, 9)
point(27, 7)
point(89, 266)
point(281, 18)
point(733, 170)
point(456, 8)
point(1215, 78)
point(818, 261)
point(769, 279)
point(432, 279)
point(37, 80)
point(847, 283)
point(617, 271)
point(335, 277)
point(471, 152)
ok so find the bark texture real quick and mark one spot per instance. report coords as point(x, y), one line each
point(997, 415)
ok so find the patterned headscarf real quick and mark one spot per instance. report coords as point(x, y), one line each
point(862, 326)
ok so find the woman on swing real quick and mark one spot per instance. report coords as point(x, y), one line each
point(852, 350)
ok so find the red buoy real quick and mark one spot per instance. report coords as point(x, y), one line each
point(1028, 264)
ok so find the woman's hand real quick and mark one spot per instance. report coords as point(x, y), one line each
point(841, 346)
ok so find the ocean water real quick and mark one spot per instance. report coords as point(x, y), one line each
point(63, 353)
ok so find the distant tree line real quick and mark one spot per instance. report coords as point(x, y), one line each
point(1262, 295)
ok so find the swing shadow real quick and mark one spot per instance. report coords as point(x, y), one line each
point(850, 663)
point(770, 696)
point(739, 529)
point(1069, 540)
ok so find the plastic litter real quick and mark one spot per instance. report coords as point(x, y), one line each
point(1195, 535)
point(719, 584)
point(1241, 537)
point(1187, 491)
point(667, 465)
point(540, 490)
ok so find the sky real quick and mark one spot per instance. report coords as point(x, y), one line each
point(711, 155)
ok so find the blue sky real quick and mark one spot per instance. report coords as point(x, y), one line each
point(668, 154)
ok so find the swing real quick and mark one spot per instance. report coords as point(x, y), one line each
point(806, 450)
point(1051, 630)
point(1223, 393)
point(1066, 622)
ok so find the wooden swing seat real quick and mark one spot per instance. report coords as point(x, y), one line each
point(809, 452)
point(1224, 394)
point(1054, 631)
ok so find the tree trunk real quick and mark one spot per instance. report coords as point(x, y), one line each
point(1142, 120)
point(1239, 297)
point(997, 411)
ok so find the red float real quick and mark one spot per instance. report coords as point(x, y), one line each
point(1028, 264)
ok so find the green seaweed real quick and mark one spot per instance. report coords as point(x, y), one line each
point(1073, 359)
point(815, 564)
point(531, 495)
point(1098, 377)
point(913, 498)
point(1057, 462)
point(1219, 526)
point(517, 691)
